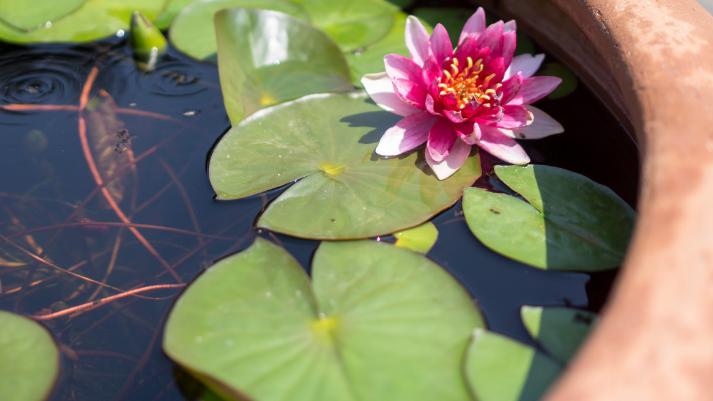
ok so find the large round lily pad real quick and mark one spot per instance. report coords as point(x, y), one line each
point(268, 57)
point(501, 369)
point(566, 222)
point(376, 323)
point(345, 190)
point(27, 17)
point(170, 11)
point(94, 19)
point(193, 31)
point(353, 24)
point(560, 331)
point(29, 359)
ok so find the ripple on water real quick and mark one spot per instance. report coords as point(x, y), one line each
point(54, 78)
point(173, 77)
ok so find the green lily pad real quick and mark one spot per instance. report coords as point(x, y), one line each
point(418, 239)
point(27, 17)
point(170, 11)
point(500, 369)
point(570, 222)
point(352, 24)
point(569, 80)
point(376, 323)
point(402, 3)
point(29, 359)
point(371, 59)
point(267, 57)
point(193, 30)
point(560, 331)
point(95, 19)
point(345, 191)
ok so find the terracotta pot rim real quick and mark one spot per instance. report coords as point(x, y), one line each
point(651, 62)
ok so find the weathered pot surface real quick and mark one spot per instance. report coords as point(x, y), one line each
point(651, 61)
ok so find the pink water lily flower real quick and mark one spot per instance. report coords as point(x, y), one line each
point(452, 99)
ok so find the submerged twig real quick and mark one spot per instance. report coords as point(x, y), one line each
point(105, 224)
point(54, 266)
point(186, 200)
point(71, 107)
point(99, 181)
point(85, 307)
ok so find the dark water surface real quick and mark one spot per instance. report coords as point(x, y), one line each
point(54, 219)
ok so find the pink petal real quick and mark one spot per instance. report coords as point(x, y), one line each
point(511, 88)
point(409, 133)
point(430, 105)
point(491, 37)
point(454, 116)
point(400, 67)
point(536, 88)
point(407, 78)
point(467, 47)
point(410, 92)
point(417, 40)
point(440, 140)
point(431, 73)
point(542, 126)
point(515, 117)
point(381, 90)
point(508, 46)
point(501, 146)
point(454, 161)
point(526, 64)
point(474, 26)
point(468, 132)
point(441, 46)
point(510, 26)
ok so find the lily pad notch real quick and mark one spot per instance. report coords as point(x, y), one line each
point(343, 191)
point(376, 322)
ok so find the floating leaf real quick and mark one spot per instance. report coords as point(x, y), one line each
point(193, 30)
point(26, 17)
point(170, 11)
point(352, 24)
point(345, 190)
point(560, 331)
point(570, 222)
point(376, 323)
point(500, 369)
point(95, 19)
point(29, 359)
point(418, 239)
point(569, 80)
point(267, 57)
point(371, 59)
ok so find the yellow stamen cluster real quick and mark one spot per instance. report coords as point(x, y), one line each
point(467, 85)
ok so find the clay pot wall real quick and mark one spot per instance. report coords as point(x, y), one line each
point(651, 62)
